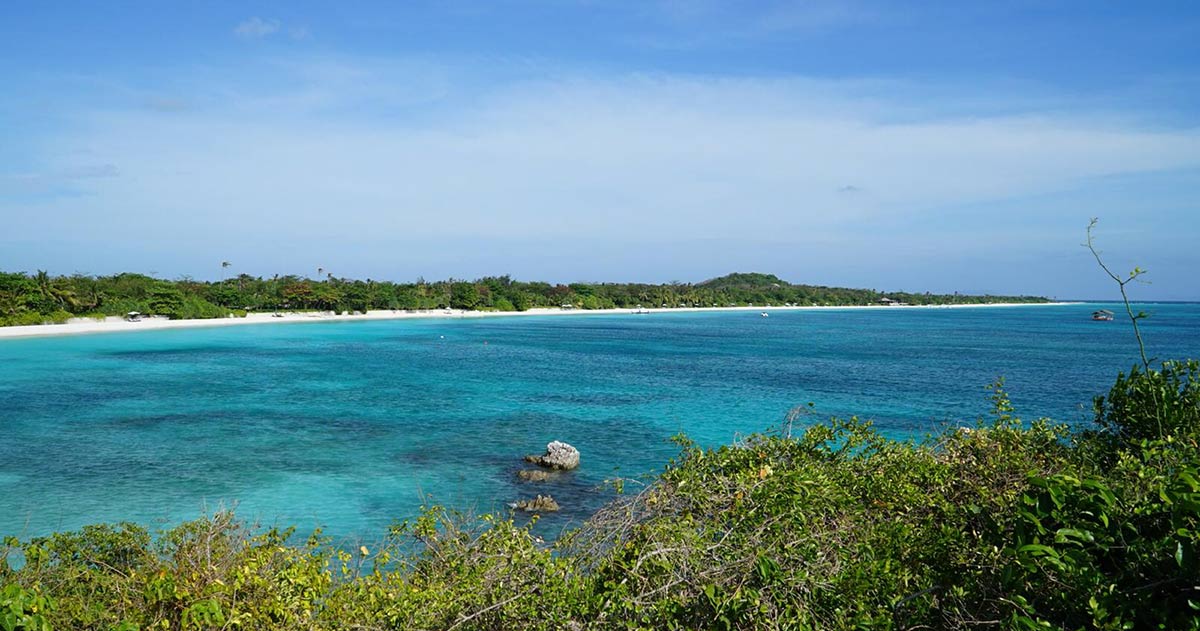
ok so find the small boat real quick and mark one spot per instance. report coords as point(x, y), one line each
point(764, 314)
point(642, 312)
point(1103, 315)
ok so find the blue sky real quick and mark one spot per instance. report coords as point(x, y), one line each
point(940, 146)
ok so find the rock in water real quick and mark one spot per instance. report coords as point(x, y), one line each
point(559, 455)
point(539, 504)
point(533, 475)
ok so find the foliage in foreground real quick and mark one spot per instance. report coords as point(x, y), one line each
point(1005, 525)
point(39, 298)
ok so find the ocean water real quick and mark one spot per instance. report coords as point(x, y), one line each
point(351, 426)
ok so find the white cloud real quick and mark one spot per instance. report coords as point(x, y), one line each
point(640, 152)
point(351, 151)
point(256, 28)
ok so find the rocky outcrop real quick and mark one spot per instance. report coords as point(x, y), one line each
point(559, 455)
point(539, 504)
point(534, 475)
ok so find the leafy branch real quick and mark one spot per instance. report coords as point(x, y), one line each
point(1121, 283)
point(1156, 400)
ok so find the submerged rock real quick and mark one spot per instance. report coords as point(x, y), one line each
point(559, 455)
point(533, 475)
point(539, 504)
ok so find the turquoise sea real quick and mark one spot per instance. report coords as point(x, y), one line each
point(350, 425)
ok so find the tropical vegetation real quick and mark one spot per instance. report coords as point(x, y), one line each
point(41, 298)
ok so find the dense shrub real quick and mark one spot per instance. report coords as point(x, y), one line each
point(27, 318)
point(1152, 404)
point(1001, 525)
point(23, 319)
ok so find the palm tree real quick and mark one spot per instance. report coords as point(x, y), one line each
point(57, 289)
point(11, 304)
point(62, 291)
point(43, 282)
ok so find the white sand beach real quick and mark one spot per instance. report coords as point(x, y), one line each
point(78, 326)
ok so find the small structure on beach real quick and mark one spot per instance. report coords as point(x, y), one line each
point(887, 302)
point(133, 316)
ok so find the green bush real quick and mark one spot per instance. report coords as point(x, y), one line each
point(25, 318)
point(1150, 404)
point(193, 308)
point(23, 610)
point(28, 318)
point(56, 317)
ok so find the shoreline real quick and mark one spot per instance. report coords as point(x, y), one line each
point(116, 324)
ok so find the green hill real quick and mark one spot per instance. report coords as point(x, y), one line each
point(750, 280)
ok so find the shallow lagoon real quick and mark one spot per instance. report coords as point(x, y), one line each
point(351, 425)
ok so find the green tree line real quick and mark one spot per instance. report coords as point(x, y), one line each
point(40, 298)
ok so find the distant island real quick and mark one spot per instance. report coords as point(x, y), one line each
point(40, 298)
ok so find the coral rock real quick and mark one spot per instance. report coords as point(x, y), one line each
point(533, 475)
point(559, 455)
point(539, 504)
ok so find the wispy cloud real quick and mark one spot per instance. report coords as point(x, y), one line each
point(642, 148)
point(350, 147)
point(259, 28)
point(256, 28)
